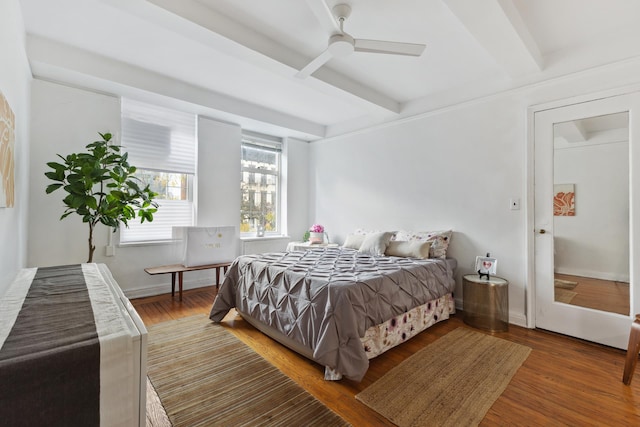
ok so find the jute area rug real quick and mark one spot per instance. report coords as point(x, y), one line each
point(564, 284)
point(451, 382)
point(562, 290)
point(205, 376)
point(564, 295)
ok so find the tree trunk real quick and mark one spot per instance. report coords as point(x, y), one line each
point(92, 247)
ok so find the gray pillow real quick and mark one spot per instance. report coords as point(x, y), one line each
point(376, 243)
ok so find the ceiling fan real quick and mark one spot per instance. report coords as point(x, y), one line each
point(342, 44)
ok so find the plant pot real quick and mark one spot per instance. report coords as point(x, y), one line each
point(316, 237)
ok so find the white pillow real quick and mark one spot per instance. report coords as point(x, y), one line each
point(439, 240)
point(354, 241)
point(363, 232)
point(376, 243)
point(413, 249)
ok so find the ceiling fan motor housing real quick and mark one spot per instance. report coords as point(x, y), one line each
point(341, 45)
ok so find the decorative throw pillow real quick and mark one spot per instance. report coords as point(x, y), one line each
point(376, 243)
point(439, 240)
point(354, 241)
point(361, 232)
point(413, 249)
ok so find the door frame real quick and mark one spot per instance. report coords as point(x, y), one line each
point(530, 274)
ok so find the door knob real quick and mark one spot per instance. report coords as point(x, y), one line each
point(542, 231)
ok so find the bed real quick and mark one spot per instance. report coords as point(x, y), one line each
point(338, 306)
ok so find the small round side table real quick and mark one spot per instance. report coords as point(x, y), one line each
point(485, 302)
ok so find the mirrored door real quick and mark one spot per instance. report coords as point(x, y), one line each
point(591, 212)
point(583, 223)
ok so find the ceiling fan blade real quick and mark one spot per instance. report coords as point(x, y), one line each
point(393, 48)
point(324, 15)
point(312, 66)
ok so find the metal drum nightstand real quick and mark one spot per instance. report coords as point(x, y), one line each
point(485, 302)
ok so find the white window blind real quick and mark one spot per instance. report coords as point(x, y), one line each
point(158, 138)
point(170, 213)
point(162, 144)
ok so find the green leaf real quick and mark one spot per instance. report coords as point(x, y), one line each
point(54, 176)
point(74, 177)
point(77, 201)
point(133, 186)
point(76, 188)
point(114, 176)
point(128, 212)
point(91, 202)
point(52, 187)
point(56, 166)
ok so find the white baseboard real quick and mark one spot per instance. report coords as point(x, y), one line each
point(165, 288)
point(518, 319)
point(616, 277)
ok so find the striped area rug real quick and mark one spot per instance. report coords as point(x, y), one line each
point(205, 376)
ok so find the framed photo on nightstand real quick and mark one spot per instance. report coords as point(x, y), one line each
point(486, 266)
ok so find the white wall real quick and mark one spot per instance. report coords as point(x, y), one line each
point(296, 180)
point(457, 168)
point(15, 79)
point(594, 242)
point(64, 120)
point(218, 163)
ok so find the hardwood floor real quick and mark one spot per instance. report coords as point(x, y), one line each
point(565, 381)
point(605, 295)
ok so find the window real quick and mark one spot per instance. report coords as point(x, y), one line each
point(260, 184)
point(162, 144)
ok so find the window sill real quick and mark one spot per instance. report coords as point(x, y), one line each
point(146, 243)
point(255, 238)
point(171, 242)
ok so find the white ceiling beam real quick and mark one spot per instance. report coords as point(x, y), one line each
point(572, 131)
point(324, 15)
point(66, 64)
point(221, 33)
point(501, 31)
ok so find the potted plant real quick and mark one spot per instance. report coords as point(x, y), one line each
point(316, 233)
point(101, 187)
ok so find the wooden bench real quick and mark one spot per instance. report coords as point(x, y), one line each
point(180, 269)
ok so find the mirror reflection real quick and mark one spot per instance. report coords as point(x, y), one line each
point(591, 212)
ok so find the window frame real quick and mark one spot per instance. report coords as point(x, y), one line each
point(184, 121)
point(267, 143)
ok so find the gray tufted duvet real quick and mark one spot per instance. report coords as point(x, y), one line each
point(325, 299)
